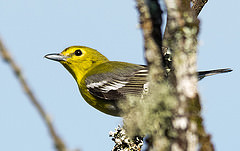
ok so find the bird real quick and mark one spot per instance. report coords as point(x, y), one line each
point(103, 83)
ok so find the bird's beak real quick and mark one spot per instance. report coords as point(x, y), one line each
point(56, 57)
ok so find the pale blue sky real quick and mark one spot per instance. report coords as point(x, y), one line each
point(30, 29)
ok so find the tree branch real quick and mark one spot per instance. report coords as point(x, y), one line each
point(198, 6)
point(183, 30)
point(151, 21)
point(171, 109)
point(157, 108)
point(59, 144)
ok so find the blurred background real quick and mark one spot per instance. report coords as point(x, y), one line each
point(31, 29)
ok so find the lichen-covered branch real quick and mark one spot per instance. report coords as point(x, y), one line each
point(197, 6)
point(183, 30)
point(152, 113)
point(59, 144)
point(170, 113)
point(150, 22)
point(123, 142)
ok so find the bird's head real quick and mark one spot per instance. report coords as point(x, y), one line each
point(78, 60)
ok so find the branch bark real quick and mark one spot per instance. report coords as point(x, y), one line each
point(171, 109)
point(150, 22)
point(183, 29)
point(59, 144)
point(198, 6)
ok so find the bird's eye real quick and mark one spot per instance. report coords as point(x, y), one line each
point(78, 52)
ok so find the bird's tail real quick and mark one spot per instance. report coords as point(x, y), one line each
point(203, 74)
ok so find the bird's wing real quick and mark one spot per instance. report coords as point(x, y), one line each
point(121, 80)
point(116, 80)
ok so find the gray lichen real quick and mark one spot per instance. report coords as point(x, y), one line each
point(123, 142)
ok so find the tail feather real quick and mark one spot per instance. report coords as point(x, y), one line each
point(203, 74)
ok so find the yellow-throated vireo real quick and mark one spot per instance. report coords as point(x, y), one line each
point(103, 83)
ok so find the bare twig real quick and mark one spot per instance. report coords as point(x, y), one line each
point(59, 144)
point(198, 6)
